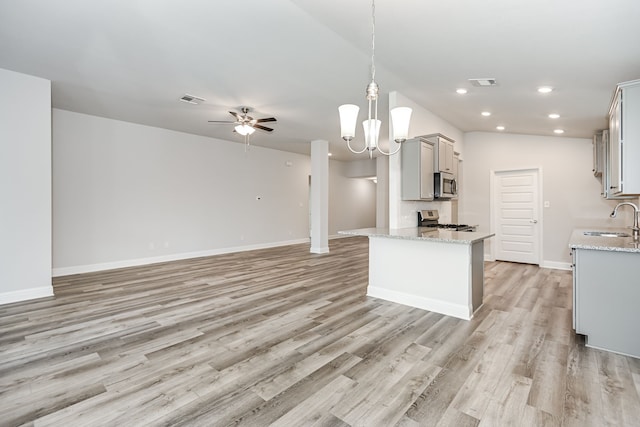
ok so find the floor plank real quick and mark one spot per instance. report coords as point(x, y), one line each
point(284, 337)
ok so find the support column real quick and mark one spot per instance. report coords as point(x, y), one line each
point(319, 197)
point(382, 192)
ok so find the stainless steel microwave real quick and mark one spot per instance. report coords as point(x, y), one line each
point(445, 186)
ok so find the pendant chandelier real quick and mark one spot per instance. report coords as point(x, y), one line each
point(400, 116)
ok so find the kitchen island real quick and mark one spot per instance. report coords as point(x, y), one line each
point(432, 269)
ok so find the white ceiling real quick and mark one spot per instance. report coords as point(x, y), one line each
point(299, 59)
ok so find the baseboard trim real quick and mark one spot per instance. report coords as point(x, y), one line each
point(26, 294)
point(90, 268)
point(324, 250)
point(447, 308)
point(555, 265)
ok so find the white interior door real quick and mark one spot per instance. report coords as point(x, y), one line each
point(516, 220)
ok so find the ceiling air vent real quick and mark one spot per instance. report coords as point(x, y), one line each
point(483, 82)
point(192, 99)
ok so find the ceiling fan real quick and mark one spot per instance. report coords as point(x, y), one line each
point(245, 124)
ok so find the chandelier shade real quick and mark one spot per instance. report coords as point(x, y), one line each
point(371, 133)
point(400, 118)
point(348, 119)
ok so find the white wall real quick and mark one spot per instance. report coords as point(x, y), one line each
point(25, 187)
point(423, 122)
point(352, 201)
point(126, 194)
point(568, 184)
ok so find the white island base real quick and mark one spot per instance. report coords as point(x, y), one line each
point(441, 271)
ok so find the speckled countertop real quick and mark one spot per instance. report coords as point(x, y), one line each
point(422, 233)
point(600, 243)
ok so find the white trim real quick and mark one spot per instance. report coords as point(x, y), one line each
point(492, 217)
point(89, 268)
point(556, 265)
point(489, 257)
point(447, 308)
point(339, 236)
point(324, 250)
point(26, 294)
point(586, 344)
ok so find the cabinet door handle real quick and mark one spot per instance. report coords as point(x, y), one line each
point(533, 221)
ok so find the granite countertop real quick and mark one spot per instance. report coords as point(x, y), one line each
point(422, 233)
point(600, 243)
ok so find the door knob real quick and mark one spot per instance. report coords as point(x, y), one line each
point(533, 221)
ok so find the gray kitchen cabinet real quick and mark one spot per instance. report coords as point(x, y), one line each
point(605, 176)
point(624, 141)
point(598, 153)
point(417, 169)
point(443, 151)
point(606, 295)
point(455, 172)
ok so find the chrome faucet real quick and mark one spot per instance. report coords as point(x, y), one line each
point(636, 212)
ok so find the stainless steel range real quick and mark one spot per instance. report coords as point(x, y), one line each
point(430, 218)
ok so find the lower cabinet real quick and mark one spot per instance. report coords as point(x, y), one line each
point(606, 299)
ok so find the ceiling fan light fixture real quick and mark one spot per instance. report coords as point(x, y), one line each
point(245, 130)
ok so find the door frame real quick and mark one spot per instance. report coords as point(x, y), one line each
point(492, 208)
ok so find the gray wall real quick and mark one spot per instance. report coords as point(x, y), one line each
point(568, 184)
point(352, 201)
point(126, 194)
point(25, 187)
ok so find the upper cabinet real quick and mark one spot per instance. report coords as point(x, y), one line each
point(598, 153)
point(456, 164)
point(443, 161)
point(624, 142)
point(417, 169)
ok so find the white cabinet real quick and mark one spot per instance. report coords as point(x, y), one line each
point(598, 153)
point(445, 155)
point(443, 161)
point(624, 141)
point(456, 164)
point(605, 176)
point(605, 299)
point(417, 169)
point(454, 171)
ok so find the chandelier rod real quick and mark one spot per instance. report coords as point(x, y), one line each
point(373, 40)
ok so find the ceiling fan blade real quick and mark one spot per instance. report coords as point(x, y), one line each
point(263, 128)
point(221, 121)
point(267, 119)
point(236, 115)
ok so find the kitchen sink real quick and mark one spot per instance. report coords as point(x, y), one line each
point(606, 234)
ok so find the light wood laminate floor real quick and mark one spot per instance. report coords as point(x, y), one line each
point(288, 338)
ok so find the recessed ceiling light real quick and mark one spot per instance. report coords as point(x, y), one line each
point(500, 127)
point(558, 131)
point(486, 113)
point(554, 116)
point(545, 89)
point(461, 91)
